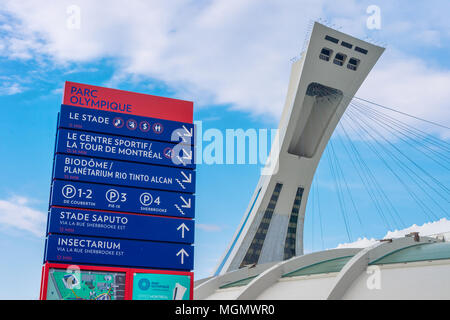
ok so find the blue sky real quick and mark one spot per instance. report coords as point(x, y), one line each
point(232, 58)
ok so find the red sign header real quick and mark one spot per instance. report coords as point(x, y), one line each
point(94, 97)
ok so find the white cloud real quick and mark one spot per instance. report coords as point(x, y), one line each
point(360, 243)
point(430, 37)
point(10, 88)
point(411, 86)
point(208, 227)
point(223, 51)
point(427, 229)
point(58, 91)
point(230, 51)
point(15, 213)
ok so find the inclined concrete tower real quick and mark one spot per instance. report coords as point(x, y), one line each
point(322, 83)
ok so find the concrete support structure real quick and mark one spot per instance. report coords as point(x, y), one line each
point(401, 264)
point(322, 83)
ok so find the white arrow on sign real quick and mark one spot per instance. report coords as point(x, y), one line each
point(182, 137)
point(183, 253)
point(188, 133)
point(187, 155)
point(186, 178)
point(181, 161)
point(187, 204)
point(183, 227)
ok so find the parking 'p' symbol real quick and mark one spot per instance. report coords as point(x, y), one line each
point(146, 199)
point(112, 195)
point(69, 191)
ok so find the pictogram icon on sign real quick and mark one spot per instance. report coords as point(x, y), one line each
point(131, 124)
point(118, 122)
point(186, 204)
point(187, 178)
point(144, 126)
point(157, 128)
point(168, 152)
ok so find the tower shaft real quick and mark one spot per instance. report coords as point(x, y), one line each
point(322, 83)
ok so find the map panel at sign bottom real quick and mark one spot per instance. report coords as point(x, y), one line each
point(93, 282)
point(85, 285)
point(148, 286)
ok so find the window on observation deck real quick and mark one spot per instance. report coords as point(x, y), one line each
point(346, 44)
point(325, 54)
point(353, 64)
point(363, 51)
point(339, 59)
point(329, 38)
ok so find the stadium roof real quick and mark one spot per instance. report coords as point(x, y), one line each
point(421, 252)
point(343, 274)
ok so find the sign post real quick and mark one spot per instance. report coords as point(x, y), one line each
point(122, 201)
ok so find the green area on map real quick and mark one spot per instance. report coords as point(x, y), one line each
point(85, 285)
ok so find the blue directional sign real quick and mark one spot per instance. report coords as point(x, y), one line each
point(124, 148)
point(122, 191)
point(116, 172)
point(119, 252)
point(119, 225)
point(123, 199)
point(125, 125)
